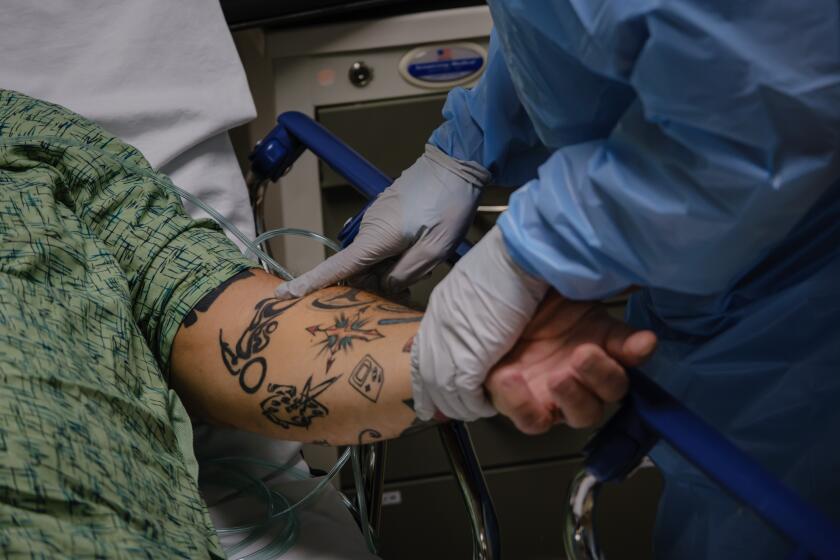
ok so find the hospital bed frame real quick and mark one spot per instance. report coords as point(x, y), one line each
point(648, 415)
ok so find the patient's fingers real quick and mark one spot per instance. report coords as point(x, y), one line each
point(639, 347)
point(628, 346)
point(512, 396)
point(580, 407)
point(599, 373)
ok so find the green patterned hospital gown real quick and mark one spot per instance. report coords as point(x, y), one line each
point(98, 266)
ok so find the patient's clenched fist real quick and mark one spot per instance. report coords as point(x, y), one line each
point(567, 365)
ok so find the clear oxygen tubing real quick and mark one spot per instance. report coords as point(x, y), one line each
point(278, 506)
point(359, 482)
point(285, 534)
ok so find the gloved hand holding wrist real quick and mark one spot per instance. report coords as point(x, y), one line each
point(475, 316)
point(422, 216)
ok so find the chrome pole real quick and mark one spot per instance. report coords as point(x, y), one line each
point(461, 452)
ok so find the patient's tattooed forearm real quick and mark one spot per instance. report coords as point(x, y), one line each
point(289, 407)
point(369, 435)
point(351, 297)
point(205, 303)
point(339, 335)
point(367, 378)
point(243, 360)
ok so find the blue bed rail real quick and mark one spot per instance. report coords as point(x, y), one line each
point(294, 133)
point(650, 414)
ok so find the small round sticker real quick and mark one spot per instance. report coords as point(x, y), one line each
point(443, 66)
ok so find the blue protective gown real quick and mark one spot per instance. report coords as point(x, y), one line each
point(691, 148)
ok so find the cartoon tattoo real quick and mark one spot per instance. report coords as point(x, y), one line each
point(287, 406)
point(367, 378)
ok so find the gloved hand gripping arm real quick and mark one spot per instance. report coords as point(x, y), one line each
point(695, 184)
point(565, 368)
point(422, 216)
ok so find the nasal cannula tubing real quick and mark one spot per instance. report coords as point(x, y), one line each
point(288, 536)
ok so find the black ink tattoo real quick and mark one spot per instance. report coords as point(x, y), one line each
point(407, 349)
point(346, 299)
point(243, 361)
point(409, 403)
point(395, 308)
point(205, 303)
point(401, 309)
point(288, 407)
point(399, 320)
point(368, 435)
point(367, 378)
point(340, 335)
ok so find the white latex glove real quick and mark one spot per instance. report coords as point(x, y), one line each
point(475, 316)
point(422, 215)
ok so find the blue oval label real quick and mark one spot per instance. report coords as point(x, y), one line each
point(442, 65)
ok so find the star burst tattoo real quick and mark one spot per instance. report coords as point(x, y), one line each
point(340, 335)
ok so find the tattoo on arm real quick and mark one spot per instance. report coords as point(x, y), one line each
point(351, 297)
point(242, 360)
point(367, 378)
point(399, 320)
point(389, 307)
point(205, 303)
point(339, 335)
point(407, 349)
point(395, 308)
point(287, 406)
point(368, 435)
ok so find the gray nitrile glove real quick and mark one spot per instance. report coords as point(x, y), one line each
point(422, 215)
point(475, 316)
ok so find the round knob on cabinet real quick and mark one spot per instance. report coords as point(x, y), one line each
point(360, 74)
